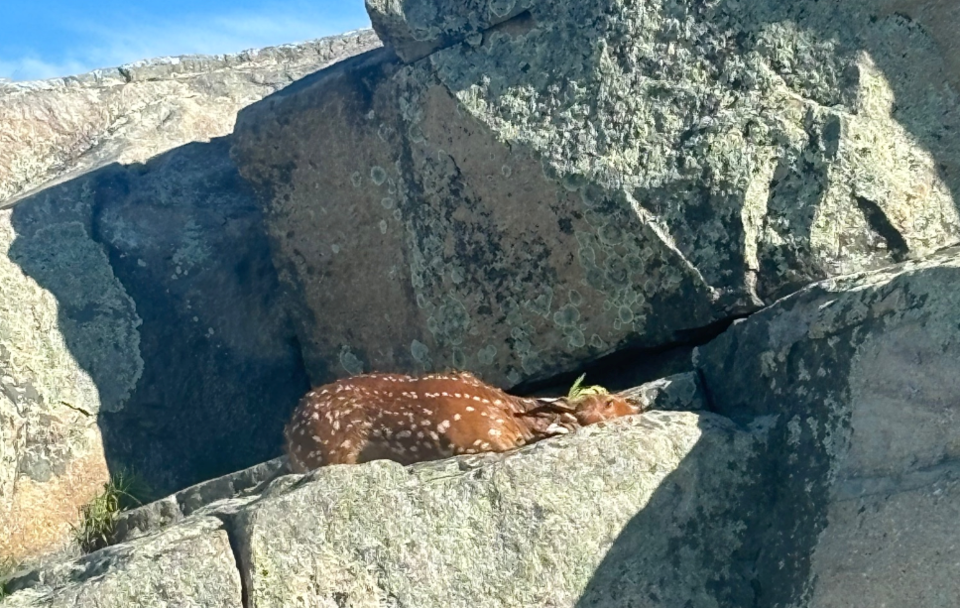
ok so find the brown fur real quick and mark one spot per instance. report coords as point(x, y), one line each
point(412, 419)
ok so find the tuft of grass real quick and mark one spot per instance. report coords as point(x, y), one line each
point(125, 490)
point(578, 391)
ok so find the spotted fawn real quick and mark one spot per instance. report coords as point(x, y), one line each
point(413, 419)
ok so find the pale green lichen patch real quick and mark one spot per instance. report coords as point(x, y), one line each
point(378, 175)
point(451, 321)
point(487, 355)
point(420, 353)
point(542, 303)
point(350, 362)
point(192, 250)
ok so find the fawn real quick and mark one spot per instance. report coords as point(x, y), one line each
point(412, 419)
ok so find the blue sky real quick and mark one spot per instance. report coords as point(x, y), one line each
point(48, 38)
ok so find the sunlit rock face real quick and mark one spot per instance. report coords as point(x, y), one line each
point(542, 190)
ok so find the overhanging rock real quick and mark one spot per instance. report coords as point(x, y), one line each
point(594, 174)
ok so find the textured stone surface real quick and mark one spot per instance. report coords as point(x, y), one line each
point(526, 529)
point(51, 455)
point(189, 565)
point(899, 549)
point(57, 129)
point(939, 19)
point(825, 475)
point(555, 523)
point(174, 508)
point(862, 373)
point(139, 323)
point(589, 175)
point(416, 28)
point(680, 392)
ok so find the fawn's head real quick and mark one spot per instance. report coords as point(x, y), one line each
point(593, 403)
point(595, 408)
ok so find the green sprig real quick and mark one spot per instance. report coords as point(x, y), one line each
point(579, 392)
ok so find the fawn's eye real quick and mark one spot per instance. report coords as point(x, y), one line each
point(608, 404)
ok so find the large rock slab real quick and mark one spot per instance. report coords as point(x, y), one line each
point(190, 565)
point(589, 175)
point(139, 326)
point(862, 374)
point(525, 529)
point(172, 509)
point(533, 527)
point(54, 130)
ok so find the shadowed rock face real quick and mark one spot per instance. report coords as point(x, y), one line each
point(165, 300)
point(590, 175)
point(862, 374)
point(139, 325)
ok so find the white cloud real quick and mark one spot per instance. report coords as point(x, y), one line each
point(128, 39)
